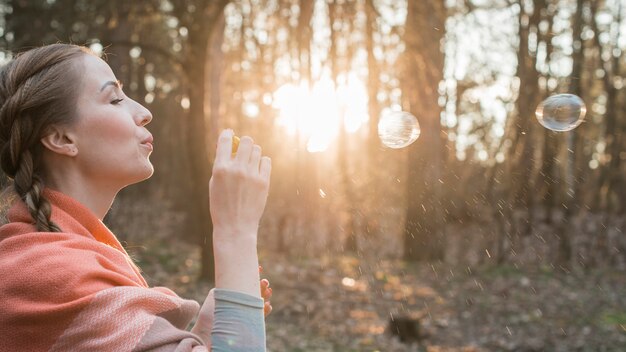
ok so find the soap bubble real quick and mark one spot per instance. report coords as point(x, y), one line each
point(398, 129)
point(561, 112)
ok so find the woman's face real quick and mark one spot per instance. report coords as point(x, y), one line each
point(113, 143)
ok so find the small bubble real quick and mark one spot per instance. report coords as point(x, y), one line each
point(398, 129)
point(561, 112)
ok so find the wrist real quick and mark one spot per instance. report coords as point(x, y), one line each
point(228, 242)
point(229, 236)
point(236, 229)
point(238, 270)
point(236, 260)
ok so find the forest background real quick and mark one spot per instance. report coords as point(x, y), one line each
point(488, 233)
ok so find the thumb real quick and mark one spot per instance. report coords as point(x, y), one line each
point(208, 309)
point(204, 324)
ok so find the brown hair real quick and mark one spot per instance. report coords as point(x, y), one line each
point(38, 89)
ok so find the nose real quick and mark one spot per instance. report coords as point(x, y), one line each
point(143, 115)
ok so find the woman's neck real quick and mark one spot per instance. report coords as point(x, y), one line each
point(96, 197)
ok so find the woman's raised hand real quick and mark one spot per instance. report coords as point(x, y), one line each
point(238, 194)
point(239, 186)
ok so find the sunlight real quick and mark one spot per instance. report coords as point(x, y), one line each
point(317, 112)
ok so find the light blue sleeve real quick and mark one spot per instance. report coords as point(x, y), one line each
point(239, 324)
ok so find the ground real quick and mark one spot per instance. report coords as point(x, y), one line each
point(345, 303)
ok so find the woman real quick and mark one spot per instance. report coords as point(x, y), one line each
point(71, 140)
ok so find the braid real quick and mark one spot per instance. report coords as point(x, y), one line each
point(30, 187)
point(34, 95)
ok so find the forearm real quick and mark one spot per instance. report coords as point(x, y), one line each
point(237, 263)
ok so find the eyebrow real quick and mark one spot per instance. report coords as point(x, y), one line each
point(117, 84)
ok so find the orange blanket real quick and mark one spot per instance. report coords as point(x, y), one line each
point(79, 291)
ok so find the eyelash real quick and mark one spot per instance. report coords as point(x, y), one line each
point(116, 101)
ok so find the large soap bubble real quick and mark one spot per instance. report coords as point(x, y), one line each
point(398, 129)
point(561, 112)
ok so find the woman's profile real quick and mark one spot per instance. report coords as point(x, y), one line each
point(70, 140)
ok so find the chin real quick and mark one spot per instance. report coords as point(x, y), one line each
point(143, 175)
point(149, 172)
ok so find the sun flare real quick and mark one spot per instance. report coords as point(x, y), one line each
point(317, 112)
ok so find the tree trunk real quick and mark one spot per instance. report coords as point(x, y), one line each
point(200, 25)
point(611, 133)
point(207, 271)
point(373, 84)
point(423, 71)
point(565, 247)
point(546, 182)
point(526, 104)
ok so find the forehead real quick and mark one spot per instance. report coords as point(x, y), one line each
point(96, 73)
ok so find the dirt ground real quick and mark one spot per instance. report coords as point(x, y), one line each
point(345, 303)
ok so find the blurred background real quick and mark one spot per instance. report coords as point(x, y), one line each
point(489, 233)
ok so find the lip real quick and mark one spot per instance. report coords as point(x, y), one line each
point(147, 142)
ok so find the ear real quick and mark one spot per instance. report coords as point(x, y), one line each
point(60, 141)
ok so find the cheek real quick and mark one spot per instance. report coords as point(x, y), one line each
point(115, 132)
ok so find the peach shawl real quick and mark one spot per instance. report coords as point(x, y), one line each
point(79, 290)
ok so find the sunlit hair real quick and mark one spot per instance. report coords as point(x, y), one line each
point(38, 89)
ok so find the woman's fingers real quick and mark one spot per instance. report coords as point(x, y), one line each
point(255, 158)
point(266, 293)
point(224, 146)
point(244, 150)
point(265, 168)
point(267, 308)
